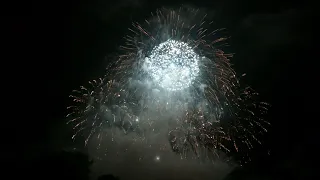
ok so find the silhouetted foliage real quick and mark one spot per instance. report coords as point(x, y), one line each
point(71, 165)
point(107, 177)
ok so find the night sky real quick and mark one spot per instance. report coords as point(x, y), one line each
point(64, 44)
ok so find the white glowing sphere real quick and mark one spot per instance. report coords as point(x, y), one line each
point(157, 158)
point(173, 65)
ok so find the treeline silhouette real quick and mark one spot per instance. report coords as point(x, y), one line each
point(75, 165)
point(71, 165)
point(108, 177)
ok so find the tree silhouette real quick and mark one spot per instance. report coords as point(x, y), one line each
point(107, 177)
point(69, 165)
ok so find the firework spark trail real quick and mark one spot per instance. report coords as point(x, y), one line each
point(172, 70)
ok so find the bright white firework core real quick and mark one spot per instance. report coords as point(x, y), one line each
point(173, 65)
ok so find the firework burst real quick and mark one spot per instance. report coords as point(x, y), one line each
point(172, 71)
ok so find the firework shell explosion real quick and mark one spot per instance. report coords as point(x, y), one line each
point(172, 70)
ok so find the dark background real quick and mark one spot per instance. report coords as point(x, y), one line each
point(54, 47)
